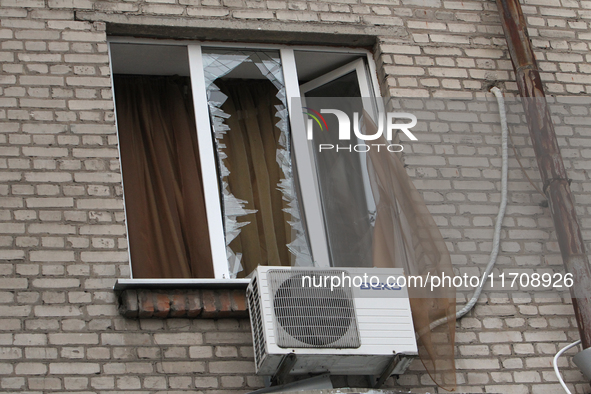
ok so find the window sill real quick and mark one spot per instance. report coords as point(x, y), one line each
point(182, 298)
point(125, 284)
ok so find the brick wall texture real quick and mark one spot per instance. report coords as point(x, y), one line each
point(62, 230)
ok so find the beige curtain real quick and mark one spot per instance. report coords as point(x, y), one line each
point(166, 219)
point(251, 148)
point(406, 236)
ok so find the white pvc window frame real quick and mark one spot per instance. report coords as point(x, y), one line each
point(310, 194)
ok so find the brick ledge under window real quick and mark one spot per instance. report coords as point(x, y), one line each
point(183, 303)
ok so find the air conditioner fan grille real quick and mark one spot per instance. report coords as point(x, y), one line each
point(308, 316)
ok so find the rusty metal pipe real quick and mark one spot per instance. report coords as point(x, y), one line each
point(554, 177)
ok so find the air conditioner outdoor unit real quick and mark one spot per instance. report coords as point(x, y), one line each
point(349, 330)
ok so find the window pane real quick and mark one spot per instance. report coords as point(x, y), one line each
point(145, 59)
point(262, 222)
point(166, 219)
point(345, 86)
point(348, 221)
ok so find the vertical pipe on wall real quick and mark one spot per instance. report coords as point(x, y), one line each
point(550, 164)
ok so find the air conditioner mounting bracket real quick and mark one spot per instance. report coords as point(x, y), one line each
point(285, 367)
point(377, 382)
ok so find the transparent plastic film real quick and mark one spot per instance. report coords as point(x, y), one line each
point(406, 236)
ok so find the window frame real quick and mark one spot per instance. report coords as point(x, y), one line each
point(310, 194)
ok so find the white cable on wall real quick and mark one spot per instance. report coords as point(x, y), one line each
point(555, 364)
point(502, 207)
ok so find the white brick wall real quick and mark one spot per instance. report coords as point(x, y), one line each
point(62, 235)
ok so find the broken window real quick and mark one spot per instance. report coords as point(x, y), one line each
point(250, 203)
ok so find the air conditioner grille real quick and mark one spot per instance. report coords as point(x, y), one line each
point(312, 317)
point(258, 333)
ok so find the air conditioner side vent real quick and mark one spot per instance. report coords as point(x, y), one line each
point(256, 317)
